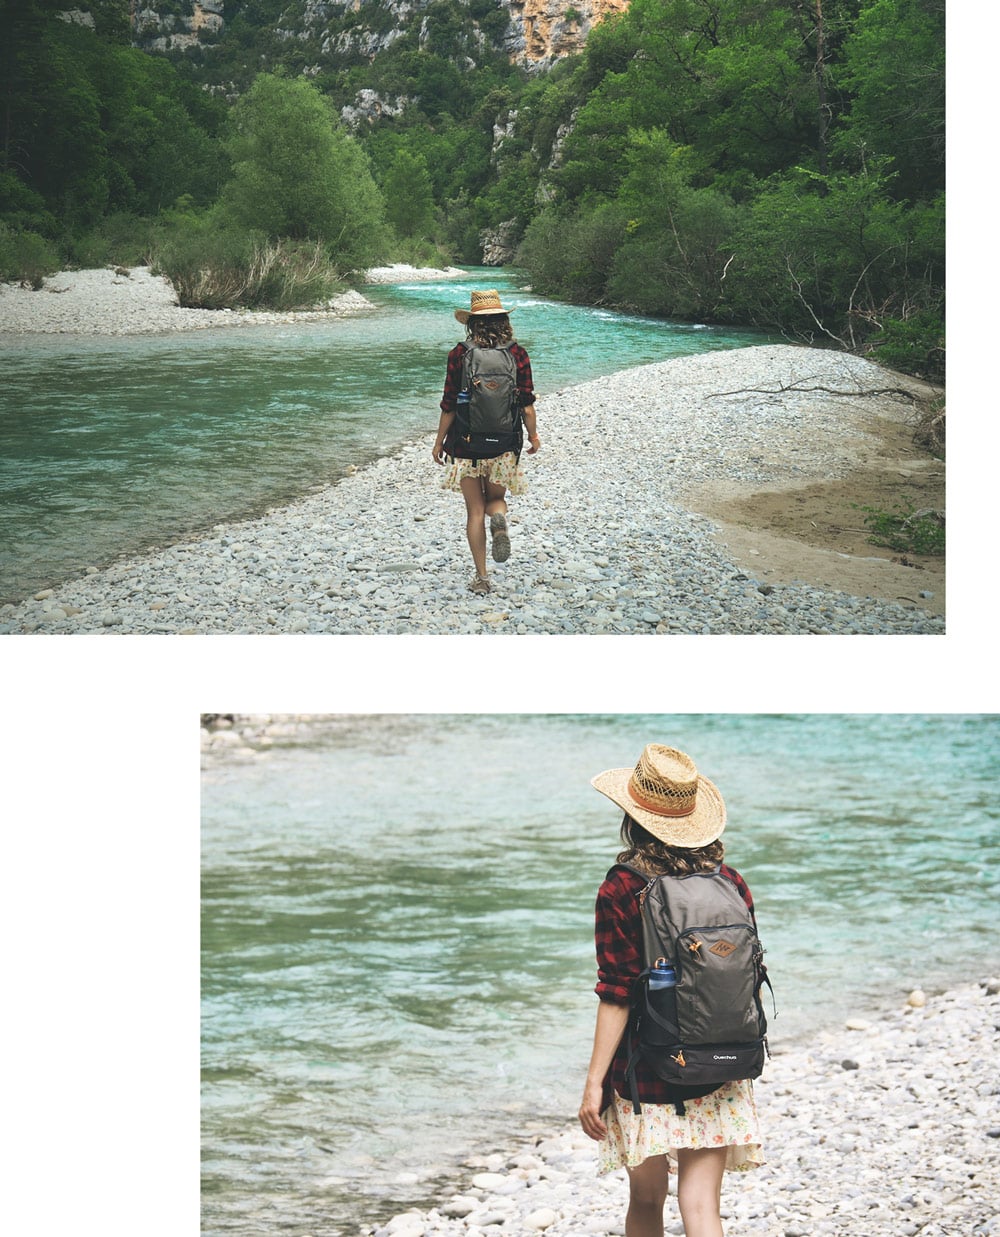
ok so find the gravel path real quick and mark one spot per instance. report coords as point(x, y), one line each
point(602, 543)
point(880, 1129)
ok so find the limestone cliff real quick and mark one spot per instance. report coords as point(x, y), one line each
point(538, 32)
point(165, 29)
point(544, 31)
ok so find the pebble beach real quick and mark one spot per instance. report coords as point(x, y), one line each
point(132, 302)
point(609, 538)
point(878, 1128)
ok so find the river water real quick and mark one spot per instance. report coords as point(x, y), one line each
point(111, 445)
point(397, 925)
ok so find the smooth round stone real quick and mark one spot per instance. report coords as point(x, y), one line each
point(543, 1218)
point(488, 1181)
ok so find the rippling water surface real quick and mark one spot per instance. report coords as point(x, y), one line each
point(109, 446)
point(398, 917)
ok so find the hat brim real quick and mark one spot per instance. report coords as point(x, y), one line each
point(706, 823)
point(463, 315)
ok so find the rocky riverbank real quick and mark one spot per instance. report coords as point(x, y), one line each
point(134, 302)
point(614, 536)
point(120, 301)
point(886, 1128)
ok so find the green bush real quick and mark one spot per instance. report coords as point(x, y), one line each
point(22, 209)
point(26, 257)
point(120, 239)
point(460, 229)
point(914, 345)
point(212, 268)
point(417, 252)
point(673, 251)
point(906, 530)
point(572, 255)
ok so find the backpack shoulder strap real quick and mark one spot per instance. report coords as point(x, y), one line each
point(630, 867)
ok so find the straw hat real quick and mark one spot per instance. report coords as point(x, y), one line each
point(667, 796)
point(482, 303)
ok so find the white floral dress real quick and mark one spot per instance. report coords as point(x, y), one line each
point(726, 1118)
point(505, 470)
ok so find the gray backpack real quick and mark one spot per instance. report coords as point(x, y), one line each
point(487, 418)
point(709, 1027)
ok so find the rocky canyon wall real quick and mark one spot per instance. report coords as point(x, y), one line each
point(540, 33)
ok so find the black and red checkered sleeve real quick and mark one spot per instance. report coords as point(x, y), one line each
point(453, 378)
point(525, 383)
point(617, 936)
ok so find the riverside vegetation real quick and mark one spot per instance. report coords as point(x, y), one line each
point(764, 163)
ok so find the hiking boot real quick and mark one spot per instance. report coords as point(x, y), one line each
point(480, 584)
point(501, 538)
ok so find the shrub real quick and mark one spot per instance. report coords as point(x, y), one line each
point(228, 268)
point(416, 252)
point(571, 255)
point(913, 345)
point(905, 529)
point(930, 431)
point(120, 239)
point(26, 257)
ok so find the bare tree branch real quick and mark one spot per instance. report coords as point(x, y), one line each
point(801, 295)
point(797, 387)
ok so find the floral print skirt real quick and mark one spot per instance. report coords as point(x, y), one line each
point(505, 470)
point(726, 1118)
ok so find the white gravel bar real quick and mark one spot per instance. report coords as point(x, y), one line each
point(603, 543)
point(885, 1128)
point(134, 302)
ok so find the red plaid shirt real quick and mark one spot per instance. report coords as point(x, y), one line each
point(453, 378)
point(618, 938)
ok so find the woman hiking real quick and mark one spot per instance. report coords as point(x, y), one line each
point(484, 471)
point(673, 823)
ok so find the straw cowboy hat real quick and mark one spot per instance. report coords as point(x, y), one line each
point(482, 303)
point(667, 796)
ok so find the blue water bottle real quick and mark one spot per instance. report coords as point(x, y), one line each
point(662, 975)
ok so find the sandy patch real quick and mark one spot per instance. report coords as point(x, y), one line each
point(814, 531)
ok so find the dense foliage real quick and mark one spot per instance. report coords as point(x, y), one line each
point(772, 162)
point(761, 162)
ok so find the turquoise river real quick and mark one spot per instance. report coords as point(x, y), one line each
point(109, 446)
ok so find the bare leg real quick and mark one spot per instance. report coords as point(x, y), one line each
point(496, 498)
point(475, 516)
point(496, 509)
point(647, 1192)
point(699, 1190)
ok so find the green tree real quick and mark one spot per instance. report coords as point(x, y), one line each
point(92, 125)
point(734, 80)
point(409, 199)
point(570, 252)
point(673, 255)
point(894, 70)
point(297, 172)
point(835, 258)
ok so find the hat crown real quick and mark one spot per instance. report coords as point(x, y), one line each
point(667, 796)
point(665, 781)
point(483, 301)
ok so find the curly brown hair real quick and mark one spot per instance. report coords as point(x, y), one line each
point(656, 857)
point(489, 330)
